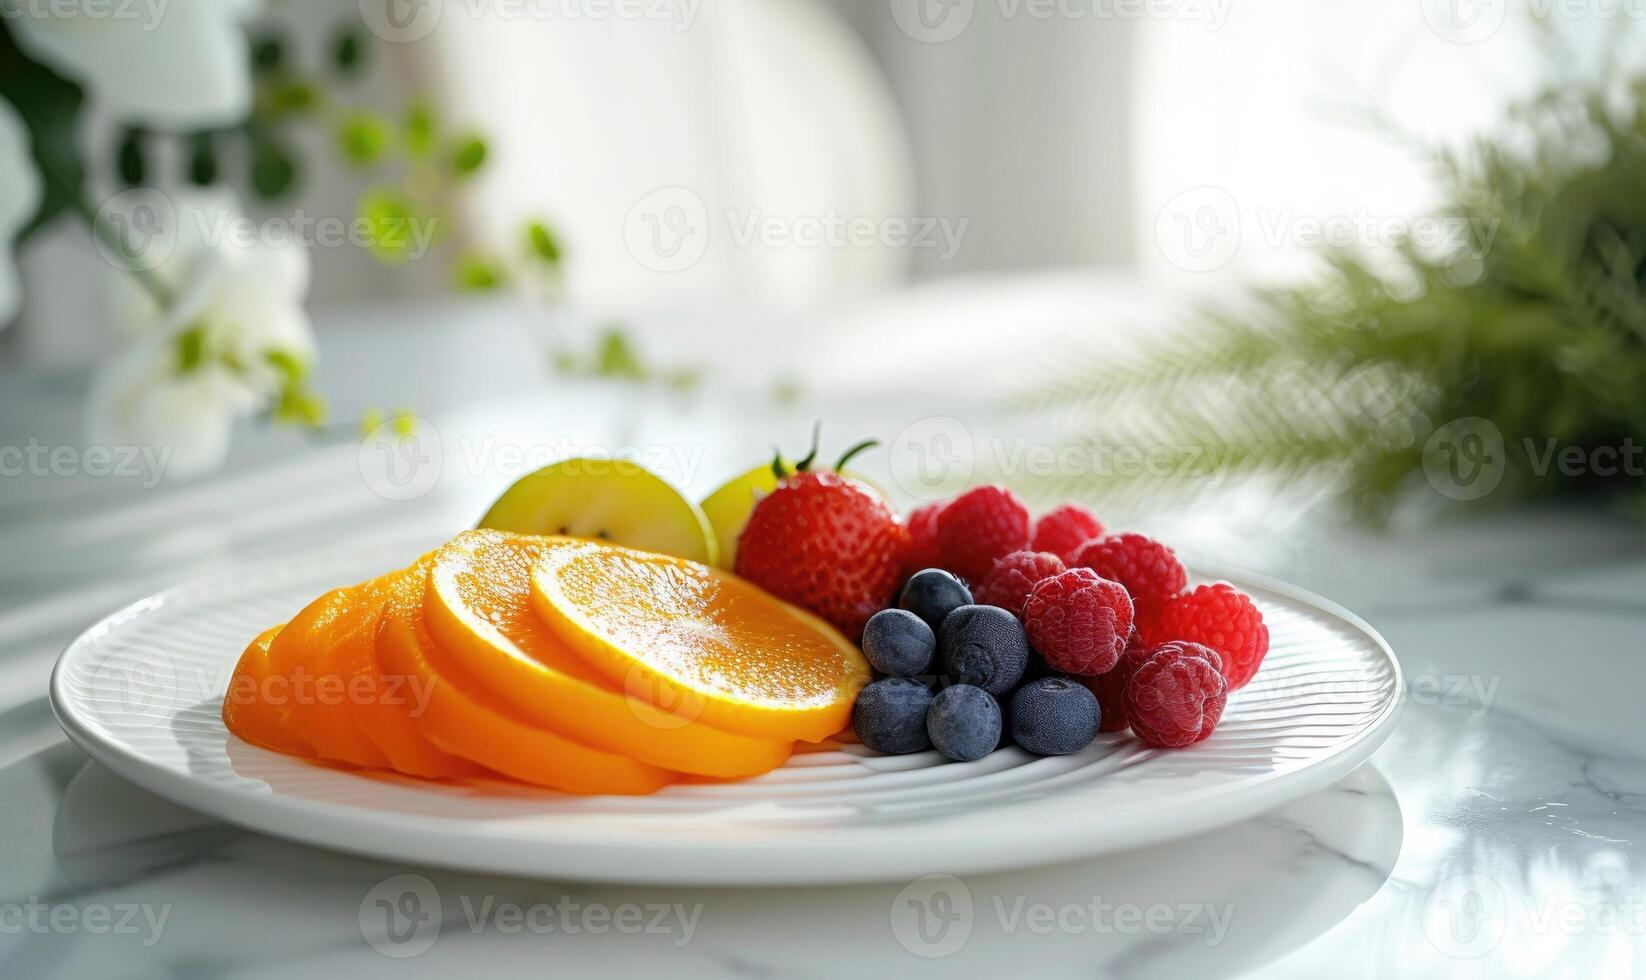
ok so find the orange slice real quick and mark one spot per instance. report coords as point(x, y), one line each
point(249, 710)
point(479, 613)
point(315, 703)
point(469, 725)
point(749, 662)
point(385, 705)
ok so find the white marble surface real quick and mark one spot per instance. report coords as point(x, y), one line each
point(1496, 834)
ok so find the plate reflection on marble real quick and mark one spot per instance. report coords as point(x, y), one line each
point(141, 693)
point(1207, 905)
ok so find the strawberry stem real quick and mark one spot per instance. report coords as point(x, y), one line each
point(846, 457)
point(811, 457)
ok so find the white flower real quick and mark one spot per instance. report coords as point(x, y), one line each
point(219, 353)
point(19, 198)
point(174, 63)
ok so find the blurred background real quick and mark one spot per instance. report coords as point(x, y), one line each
point(1315, 249)
point(1044, 135)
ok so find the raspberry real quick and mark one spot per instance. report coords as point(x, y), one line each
point(1148, 569)
point(1221, 617)
point(1008, 583)
point(1110, 688)
point(978, 527)
point(1063, 530)
point(1078, 621)
point(1176, 696)
point(923, 551)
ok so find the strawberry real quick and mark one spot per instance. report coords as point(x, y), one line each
point(826, 543)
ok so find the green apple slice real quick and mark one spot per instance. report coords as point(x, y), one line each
point(607, 500)
point(729, 507)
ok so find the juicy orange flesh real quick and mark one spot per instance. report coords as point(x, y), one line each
point(462, 725)
point(317, 707)
point(247, 714)
point(573, 692)
point(389, 710)
point(712, 632)
point(480, 614)
point(493, 590)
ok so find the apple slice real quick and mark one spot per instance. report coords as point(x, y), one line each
point(609, 500)
point(729, 507)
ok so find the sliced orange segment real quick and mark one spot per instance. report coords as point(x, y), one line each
point(757, 665)
point(315, 701)
point(249, 710)
point(479, 613)
point(385, 705)
point(463, 723)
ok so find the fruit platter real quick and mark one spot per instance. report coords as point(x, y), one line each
point(604, 679)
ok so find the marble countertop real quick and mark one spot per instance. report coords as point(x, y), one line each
point(1495, 834)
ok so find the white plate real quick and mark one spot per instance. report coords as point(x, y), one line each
point(141, 693)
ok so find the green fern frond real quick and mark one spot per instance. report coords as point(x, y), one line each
point(1535, 320)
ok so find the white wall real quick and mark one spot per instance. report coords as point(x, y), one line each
point(1022, 124)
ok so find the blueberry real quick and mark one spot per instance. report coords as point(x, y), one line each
point(964, 722)
point(1054, 716)
point(899, 643)
point(890, 715)
point(983, 645)
point(932, 594)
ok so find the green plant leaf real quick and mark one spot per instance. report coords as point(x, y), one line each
point(300, 407)
point(348, 52)
point(389, 214)
point(1532, 316)
point(364, 137)
point(542, 243)
point(293, 369)
point(468, 156)
point(190, 347)
point(287, 95)
point(615, 356)
point(268, 52)
point(273, 168)
point(418, 132)
point(130, 161)
point(202, 151)
point(50, 107)
point(476, 273)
